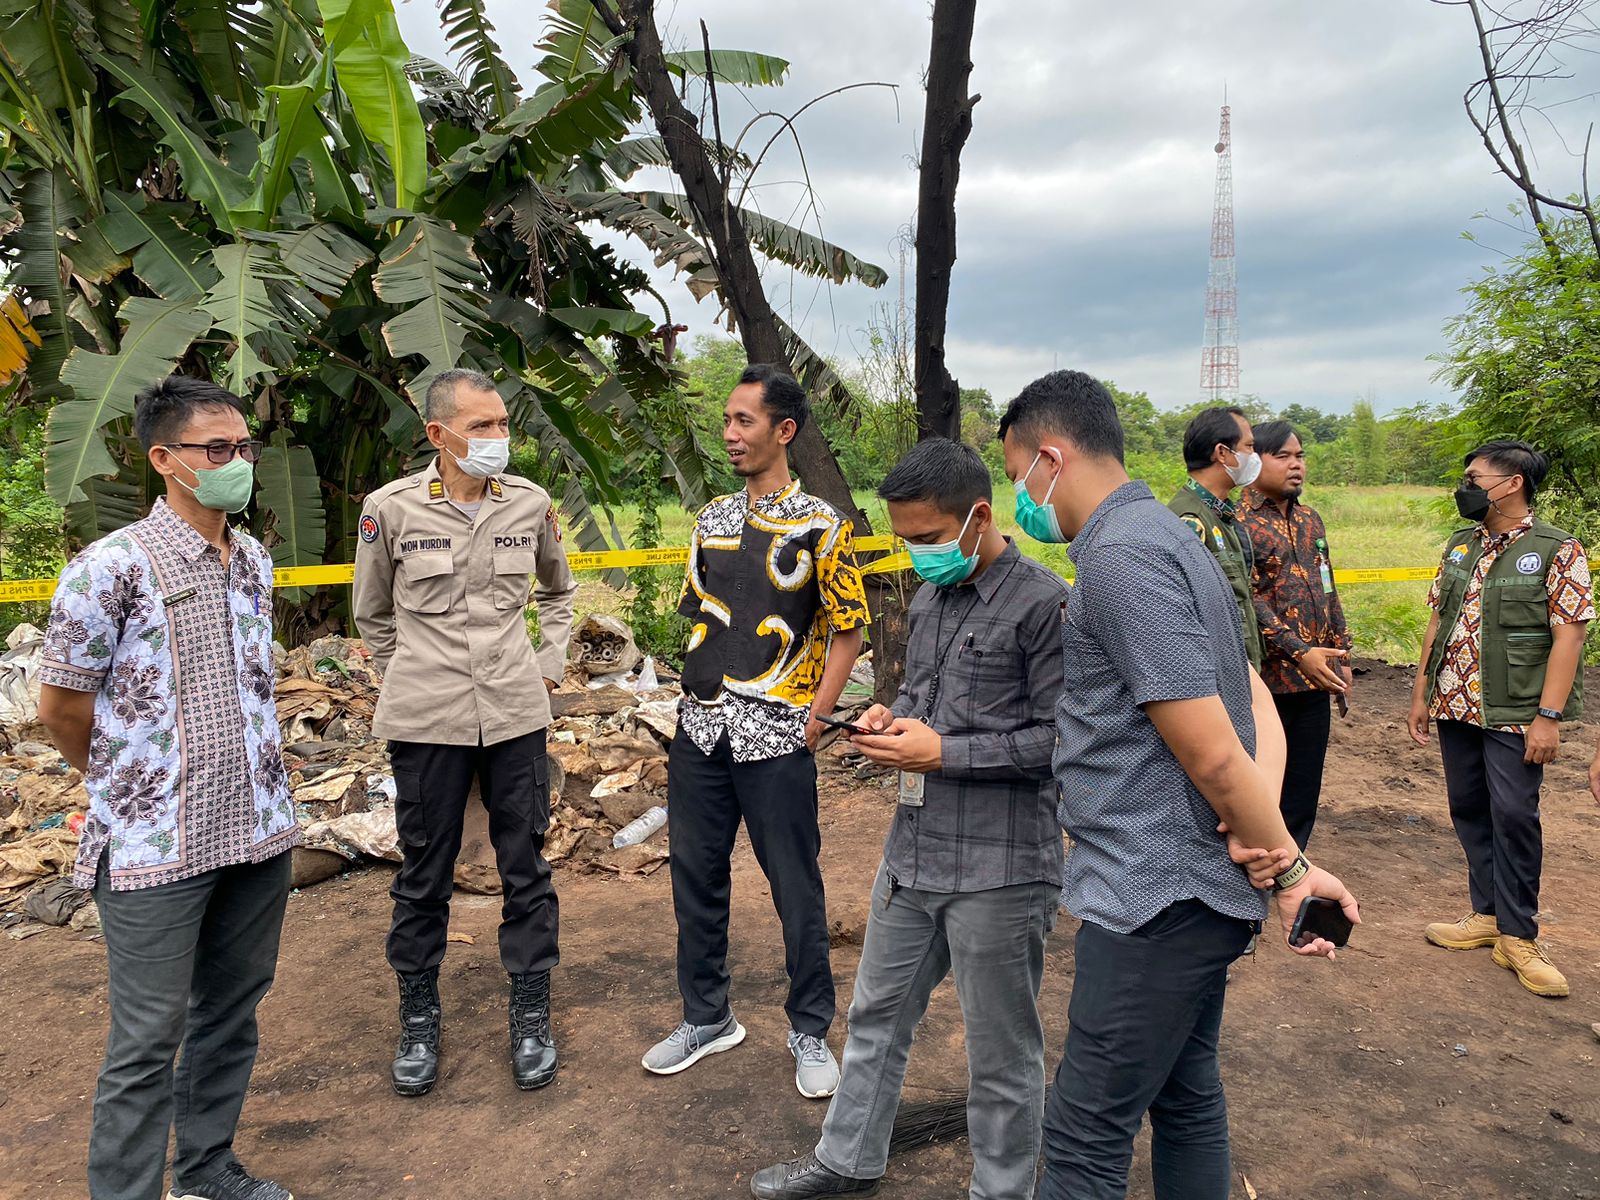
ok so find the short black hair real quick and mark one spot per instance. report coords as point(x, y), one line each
point(1515, 458)
point(1210, 428)
point(1272, 436)
point(439, 402)
point(781, 396)
point(1073, 405)
point(949, 475)
point(162, 411)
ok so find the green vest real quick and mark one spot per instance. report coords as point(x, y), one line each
point(1514, 637)
point(1220, 534)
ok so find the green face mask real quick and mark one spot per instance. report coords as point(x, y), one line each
point(226, 488)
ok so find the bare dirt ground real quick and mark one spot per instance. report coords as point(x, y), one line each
point(1345, 1079)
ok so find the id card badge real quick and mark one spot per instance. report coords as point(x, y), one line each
point(911, 789)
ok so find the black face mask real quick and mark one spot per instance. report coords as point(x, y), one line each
point(1472, 502)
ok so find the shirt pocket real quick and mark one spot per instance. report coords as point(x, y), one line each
point(511, 571)
point(1525, 607)
point(994, 680)
point(425, 582)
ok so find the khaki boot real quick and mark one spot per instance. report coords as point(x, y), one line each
point(1469, 933)
point(1533, 967)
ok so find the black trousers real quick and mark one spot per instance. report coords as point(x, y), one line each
point(431, 786)
point(777, 798)
point(187, 963)
point(1494, 805)
point(1144, 1021)
point(1307, 718)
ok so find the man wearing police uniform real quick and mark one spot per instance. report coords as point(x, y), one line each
point(1219, 451)
point(441, 586)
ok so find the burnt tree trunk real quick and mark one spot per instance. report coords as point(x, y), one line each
point(946, 123)
point(719, 223)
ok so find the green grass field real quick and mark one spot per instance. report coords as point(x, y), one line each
point(1367, 527)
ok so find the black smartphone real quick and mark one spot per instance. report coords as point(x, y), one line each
point(844, 725)
point(1320, 918)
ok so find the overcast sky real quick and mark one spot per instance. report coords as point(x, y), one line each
point(1085, 200)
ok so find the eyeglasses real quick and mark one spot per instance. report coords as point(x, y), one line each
point(1472, 480)
point(222, 452)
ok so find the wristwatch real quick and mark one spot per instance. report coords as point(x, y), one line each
point(1296, 872)
point(1552, 714)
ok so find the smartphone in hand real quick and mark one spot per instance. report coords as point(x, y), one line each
point(835, 723)
point(1320, 918)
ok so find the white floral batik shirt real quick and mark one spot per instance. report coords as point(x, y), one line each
point(186, 768)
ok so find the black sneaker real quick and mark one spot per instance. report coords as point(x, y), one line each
point(804, 1178)
point(233, 1182)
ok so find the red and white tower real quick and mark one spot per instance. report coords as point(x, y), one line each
point(1219, 356)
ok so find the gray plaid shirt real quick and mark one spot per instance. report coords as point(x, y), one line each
point(988, 815)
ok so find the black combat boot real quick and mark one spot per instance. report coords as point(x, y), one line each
point(533, 1050)
point(416, 1061)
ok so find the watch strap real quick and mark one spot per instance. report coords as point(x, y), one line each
point(1296, 872)
point(1553, 714)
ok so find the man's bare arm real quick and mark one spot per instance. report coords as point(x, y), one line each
point(69, 716)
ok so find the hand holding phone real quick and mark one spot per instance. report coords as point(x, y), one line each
point(1320, 917)
point(835, 723)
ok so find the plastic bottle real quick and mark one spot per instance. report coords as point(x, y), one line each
point(637, 830)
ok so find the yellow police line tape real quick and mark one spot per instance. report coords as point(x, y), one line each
point(19, 591)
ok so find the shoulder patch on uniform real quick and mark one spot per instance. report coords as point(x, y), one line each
point(369, 528)
point(553, 519)
point(494, 486)
point(435, 489)
point(1529, 563)
point(1194, 523)
point(1457, 553)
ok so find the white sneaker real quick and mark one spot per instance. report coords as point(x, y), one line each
point(816, 1073)
point(688, 1044)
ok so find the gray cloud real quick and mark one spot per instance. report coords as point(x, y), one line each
point(1085, 199)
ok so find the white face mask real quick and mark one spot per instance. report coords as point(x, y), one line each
point(1247, 470)
point(486, 457)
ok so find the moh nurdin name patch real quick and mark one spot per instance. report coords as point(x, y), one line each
point(417, 545)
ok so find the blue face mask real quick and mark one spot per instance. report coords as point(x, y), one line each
point(1038, 521)
point(943, 564)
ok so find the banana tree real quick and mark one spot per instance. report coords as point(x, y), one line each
point(279, 195)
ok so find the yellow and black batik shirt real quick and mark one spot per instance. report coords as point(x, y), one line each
point(769, 582)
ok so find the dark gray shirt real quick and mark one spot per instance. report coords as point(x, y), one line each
point(988, 814)
point(1150, 618)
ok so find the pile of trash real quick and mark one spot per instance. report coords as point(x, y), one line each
point(614, 715)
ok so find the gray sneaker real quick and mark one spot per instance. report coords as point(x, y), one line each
point(688, 1044)
point(816, 1073)
point(233, 1182)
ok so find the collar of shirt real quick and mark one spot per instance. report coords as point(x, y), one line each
point(1134, 489)
point(1493, 541)
point(777, 497)
point(1223, 508)
point(1255, 500)
point(439, 495)
point(189, 540)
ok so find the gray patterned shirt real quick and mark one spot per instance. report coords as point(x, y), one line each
point(988, 814)
point(1150, 618)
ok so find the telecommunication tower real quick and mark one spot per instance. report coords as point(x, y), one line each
point(1219, 355)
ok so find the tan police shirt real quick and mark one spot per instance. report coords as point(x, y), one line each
point(439, 602)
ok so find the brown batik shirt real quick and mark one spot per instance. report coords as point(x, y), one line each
point(1297, 604)
point(186, 768)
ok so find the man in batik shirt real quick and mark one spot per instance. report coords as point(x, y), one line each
point(778, 610)
point(158, 686)
point(1306, 643)
point(1501, 669)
